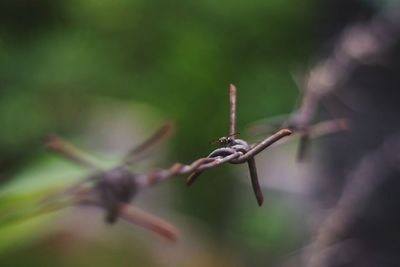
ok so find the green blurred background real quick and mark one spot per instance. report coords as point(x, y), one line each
point(105, 74)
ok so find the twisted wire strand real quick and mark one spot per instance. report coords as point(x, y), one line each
point(240, 152)
point(112, 190)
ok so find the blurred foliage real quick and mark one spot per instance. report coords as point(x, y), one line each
point(64, 62)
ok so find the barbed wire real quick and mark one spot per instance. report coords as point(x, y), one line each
point(113, 189)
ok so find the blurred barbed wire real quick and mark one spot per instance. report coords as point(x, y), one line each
point(113, 189)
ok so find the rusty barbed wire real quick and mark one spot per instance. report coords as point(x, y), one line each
point(113, 189)
point(237, 151)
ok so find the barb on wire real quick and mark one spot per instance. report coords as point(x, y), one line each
point(72, 153)
point(232, 113)
point(147, 147)
point(113, 189)
point(238, 151)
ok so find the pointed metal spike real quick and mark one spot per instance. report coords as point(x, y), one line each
point(192, 178)
point(147, 147)
point(254, 181)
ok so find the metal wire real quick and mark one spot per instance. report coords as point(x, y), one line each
point(115, 188)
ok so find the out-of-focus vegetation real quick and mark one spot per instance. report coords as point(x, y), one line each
point(105, 74)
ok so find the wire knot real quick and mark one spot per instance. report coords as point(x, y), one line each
point(113, 188)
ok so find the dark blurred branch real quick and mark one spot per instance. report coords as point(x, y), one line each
point(357, 191)
point(358, 44)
